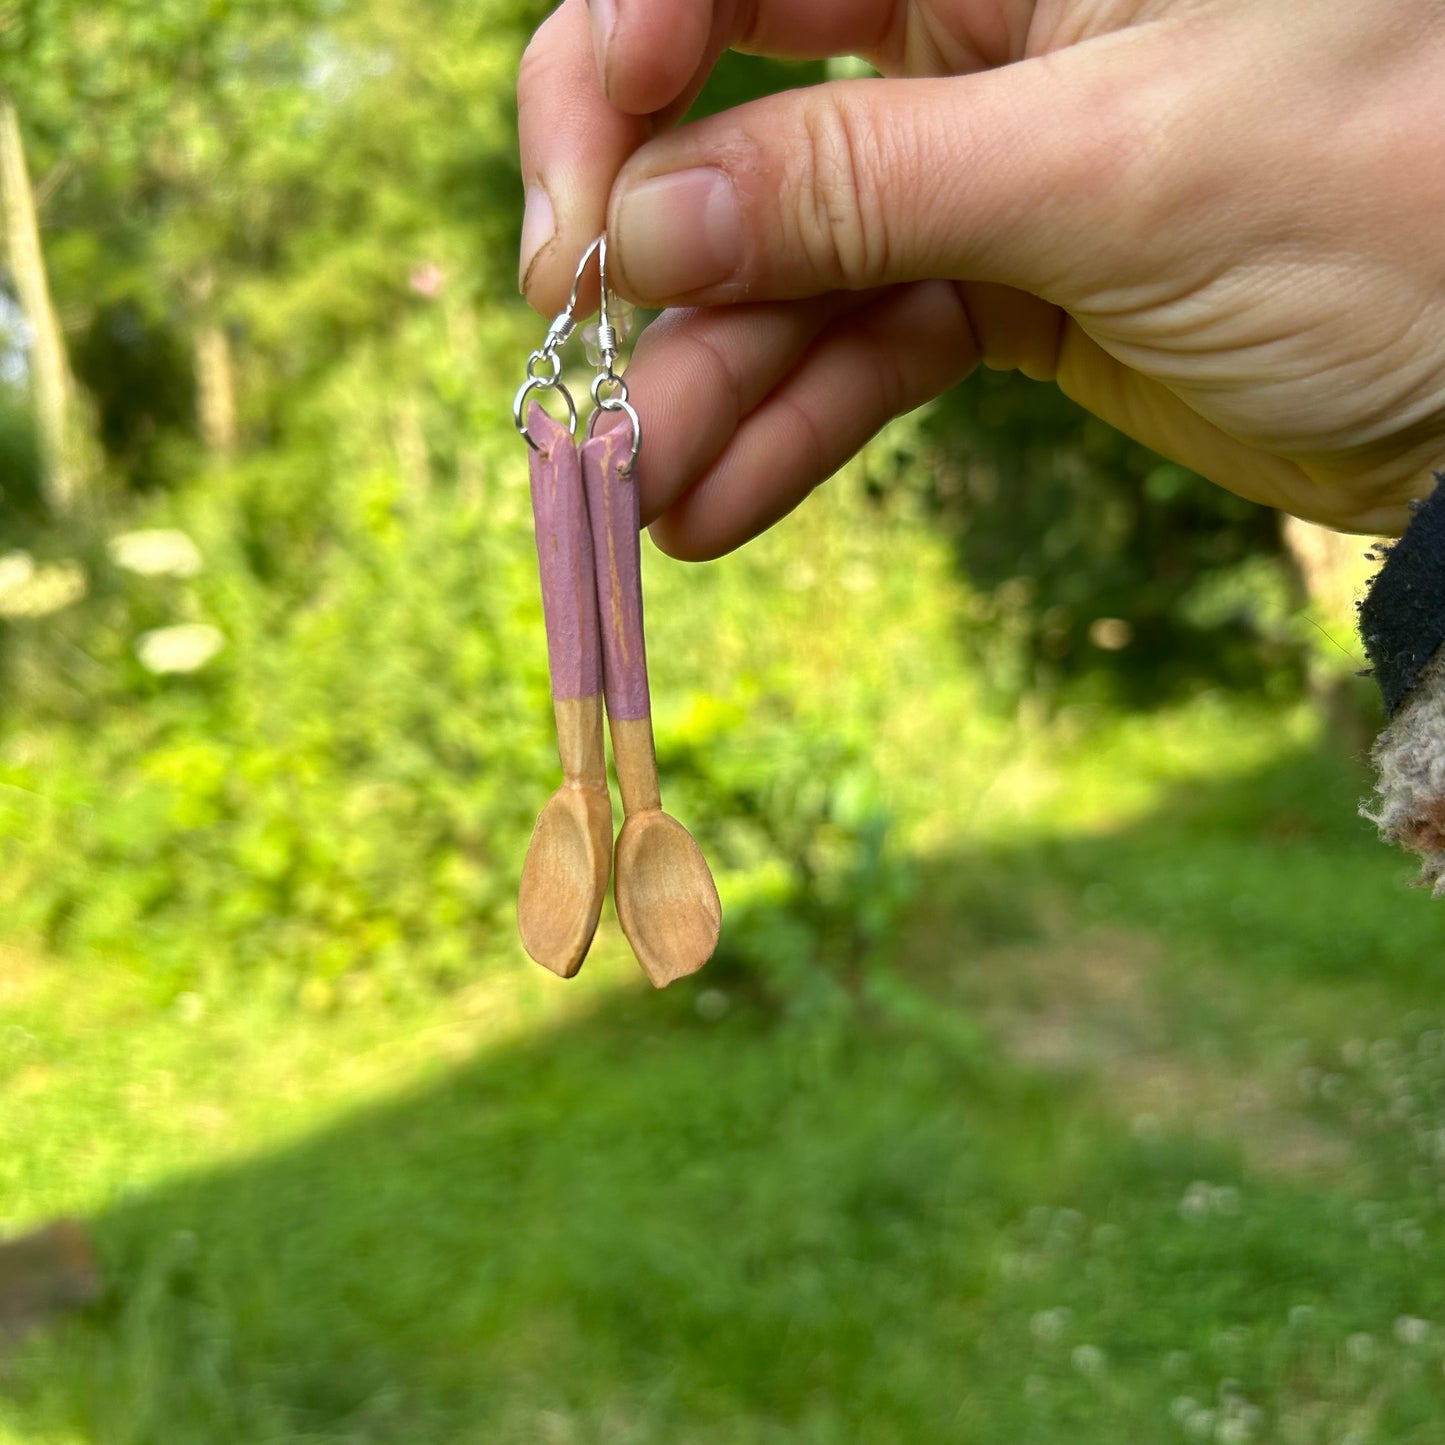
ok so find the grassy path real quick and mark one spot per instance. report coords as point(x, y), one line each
point(1141, 1139)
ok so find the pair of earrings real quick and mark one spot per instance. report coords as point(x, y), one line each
point(585, 508)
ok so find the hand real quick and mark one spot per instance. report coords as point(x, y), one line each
point(1218, 224)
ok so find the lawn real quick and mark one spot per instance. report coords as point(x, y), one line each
point(1136, 1133)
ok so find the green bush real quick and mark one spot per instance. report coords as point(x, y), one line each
point(343, 787)
point(1102, 571)
point(349, 785)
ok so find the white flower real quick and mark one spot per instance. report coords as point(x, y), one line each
point(156, 552)
point(1197, 1201)
point(1408, 1234)
point(1089, 1360)
point(1360, 1346)
point(1038, 1218)
point(1230, 1341)
point(183, 648)
point(1181, 1407)
point(1177, 1362)
point(30, 591)
point(16, 569)
point(1049, 1326)
point(1251, 1416)
point(1224, 1200)
point(1200, 1424)
point(1410, 1330)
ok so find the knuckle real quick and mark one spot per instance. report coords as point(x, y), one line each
point(840, 217)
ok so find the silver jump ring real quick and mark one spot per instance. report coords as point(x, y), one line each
point(535, 383)
point(617, 402)
point(554, 363)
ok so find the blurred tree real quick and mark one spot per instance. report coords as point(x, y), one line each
point(51, 383)
point(1102, 568)
point(272, 175)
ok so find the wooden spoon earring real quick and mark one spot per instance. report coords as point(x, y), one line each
point(564, 878)
point(667, 902)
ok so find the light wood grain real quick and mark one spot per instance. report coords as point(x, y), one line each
point(635, 758)
point(564, 878)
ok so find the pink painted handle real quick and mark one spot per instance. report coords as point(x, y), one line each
point(616, 541)
point(564, 558)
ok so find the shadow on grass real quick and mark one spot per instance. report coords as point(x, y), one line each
point(655, 1227)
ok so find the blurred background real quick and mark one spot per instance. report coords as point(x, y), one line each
point(1073, 1066)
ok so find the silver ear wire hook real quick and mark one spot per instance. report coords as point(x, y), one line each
point(608, 344)
point(549, 355)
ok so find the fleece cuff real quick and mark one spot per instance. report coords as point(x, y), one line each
point(1402, 623)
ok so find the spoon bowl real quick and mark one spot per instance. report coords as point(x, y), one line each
point(667, 901)
point(564, 877)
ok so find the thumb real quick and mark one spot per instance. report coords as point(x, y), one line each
point(1013, 175)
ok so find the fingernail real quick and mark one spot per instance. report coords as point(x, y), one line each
point(680, 233)
point(539, 224)
point(604, 21)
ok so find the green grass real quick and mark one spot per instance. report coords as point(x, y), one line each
point(1136, 1138)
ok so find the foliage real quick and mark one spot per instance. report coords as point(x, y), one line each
point(348, 788)
point(1102, 570)
point(278, 168)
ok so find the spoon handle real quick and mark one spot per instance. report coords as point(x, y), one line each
point(569, 599)
point(616, 539)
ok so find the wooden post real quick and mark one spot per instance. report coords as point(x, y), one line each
point(215, 370)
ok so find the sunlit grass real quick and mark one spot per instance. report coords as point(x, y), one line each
point(580, 1212)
